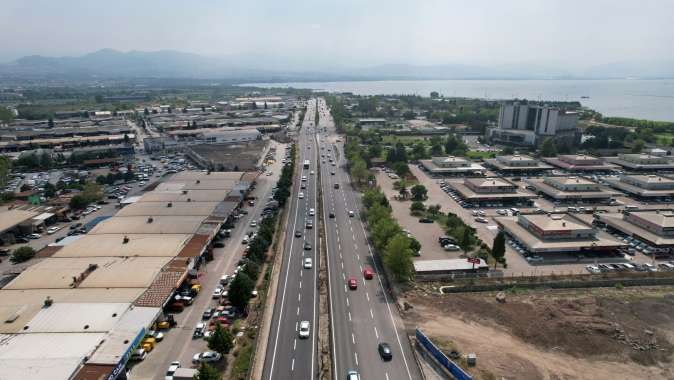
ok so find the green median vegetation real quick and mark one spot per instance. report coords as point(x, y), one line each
point(388, 238)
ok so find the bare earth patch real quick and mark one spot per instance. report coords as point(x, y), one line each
point(552, 334)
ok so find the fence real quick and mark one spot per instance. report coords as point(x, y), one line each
point(454, 370)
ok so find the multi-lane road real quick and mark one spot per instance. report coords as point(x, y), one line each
point(364, 317)
point(360, 318)
point(288, 355)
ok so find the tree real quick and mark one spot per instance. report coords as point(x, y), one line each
point(383, 231)
point(498, 250)
point(419, 192)
point(434, 95)
point(126, 138)
point(403, 190)
point(548, 148)
point(401, 168)
point(92, 192)
point(146, 111)
point(50, 122)
point(206, 372)
point(434, 210)
point(252, 269)
point(417, 207)
point(508, 151)
point(79, 202)
point(359, 170)
point(398, 257)
point(221, 340)
point(638, 146)
point(98, 98)
point(49, 190)
point(240, 290)
point(6, 115)
point(22, 254)
point(5, 169)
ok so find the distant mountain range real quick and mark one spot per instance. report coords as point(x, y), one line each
point(110, 64)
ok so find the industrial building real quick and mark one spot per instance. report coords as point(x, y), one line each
point(655, 227)
point(580, 163)
point(530, 124)
point(573, 189)
point(644, 187)
point(643, 162)
point(557, 233)
point(517, 164)
point(452, 165)
point(80, 311)
point(482, 191)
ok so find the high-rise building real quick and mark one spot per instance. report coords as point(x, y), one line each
point(530, 124)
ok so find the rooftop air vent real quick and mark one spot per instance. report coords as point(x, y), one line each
point(189, 199)
point(48, 301)
point(198, 182)
point(170, 204)
point(125, 240)
point(150, 219)
point(184, 191)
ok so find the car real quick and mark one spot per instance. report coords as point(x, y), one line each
point(368, 273)
point(309, 224)
point(481, 220)
point(451, 247)
point(34, 236)
point(206, 357)
point(303, 186)
point(353, 283)
point(304, 178)
point(385, 351)
point(351, 214)
point(332, 173)
point(269, 174)
point(217, 293)
point(301, 195)
point(307, 246)
point(157, 335)
point(52, 230)
point(304, 329)
point(298, 234)
point(199, 330)
point(138, 355)
point(535, 258)
point(331, 215)
point(308, 263)
point(208, 313)
point(171, 370)
point(312, 172)
point(593, 269)
point(352, 375)
point(425, 220)
point(312, 212)
point(218, 244)
point(75, 226)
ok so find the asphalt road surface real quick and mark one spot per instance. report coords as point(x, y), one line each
point(364, 317)
point(288, 356)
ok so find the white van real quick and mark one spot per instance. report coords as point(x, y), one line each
point(312, 212)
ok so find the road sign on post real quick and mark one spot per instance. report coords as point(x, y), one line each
point(474, 260)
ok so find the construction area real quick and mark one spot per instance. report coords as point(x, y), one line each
point(601, 333)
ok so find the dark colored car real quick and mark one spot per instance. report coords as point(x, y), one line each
point(385, 351)
point(307, 246)
point(425, 220)
point(298, 234)
point(331, 215)
point(219, 244)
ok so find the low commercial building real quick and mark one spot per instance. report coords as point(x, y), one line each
point(557, 233)
point(517, 164)
point(571, 189)
point(367, 124)
point(482, 191)
point(452, 165)
point(655, 227)
point(643, 162)
point(441, 268)
point(644, 187)
point(580, 163)
point(82, 309)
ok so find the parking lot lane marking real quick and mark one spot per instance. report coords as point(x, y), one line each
point(347, 301)
point(361, 267)
point(349, 316)
point(296, 324)
point(376, 333)
point(353, 338)
point(292, 365)
point(299, 297)
point(294, 344)
point(298, 313)
point(386, 376)
point(344, 286)
point(342, 262)
point(343, 276)
point(367, 295)
point(355, 355)
point(371, 313)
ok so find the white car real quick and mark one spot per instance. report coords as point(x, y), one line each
point(171, 370)
point(481, 220)
point(269, 174)
point(52, 230)
point(312, 172)
point(351, 214)
point(206, 357)
point(217, 293)
point(312, 212)
point(308, 263)
point(301, 196)
point(253, 224)
point(452, 247)
point(304, 178)
point(305, 328)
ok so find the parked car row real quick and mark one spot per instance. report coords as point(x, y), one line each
point(630, 267)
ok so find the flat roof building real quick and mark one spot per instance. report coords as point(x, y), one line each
point(580, 162)
point(451, 165)
point(644, 186)
point(529, 124)
point(643, 162)
point(555, 233)
point(655, 227)
point(572, 188)
point(517, 164)
point(484, 190)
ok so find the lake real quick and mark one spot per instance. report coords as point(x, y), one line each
point(643, 99)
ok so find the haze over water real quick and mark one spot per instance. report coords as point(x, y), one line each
point(642, 99)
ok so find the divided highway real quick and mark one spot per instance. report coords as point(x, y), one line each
point(361, 318)
point(288, 355)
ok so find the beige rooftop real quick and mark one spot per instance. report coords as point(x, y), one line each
point(149, 225)
point(572, 180)
point(184, 196)
point(489, 182)
point(660, 218)
point(163, 209)
point(10, 218)
point(165, 245)
point(555, 222)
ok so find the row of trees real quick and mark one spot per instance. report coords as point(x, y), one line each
point(91, 192)
point(111, 178)
point(388, 238)
point(285, 181)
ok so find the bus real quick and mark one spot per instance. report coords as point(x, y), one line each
point(306, 164)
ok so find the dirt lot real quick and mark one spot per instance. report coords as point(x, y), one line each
point(552, 334)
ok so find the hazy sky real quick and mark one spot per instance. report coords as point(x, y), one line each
point(348, 32)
